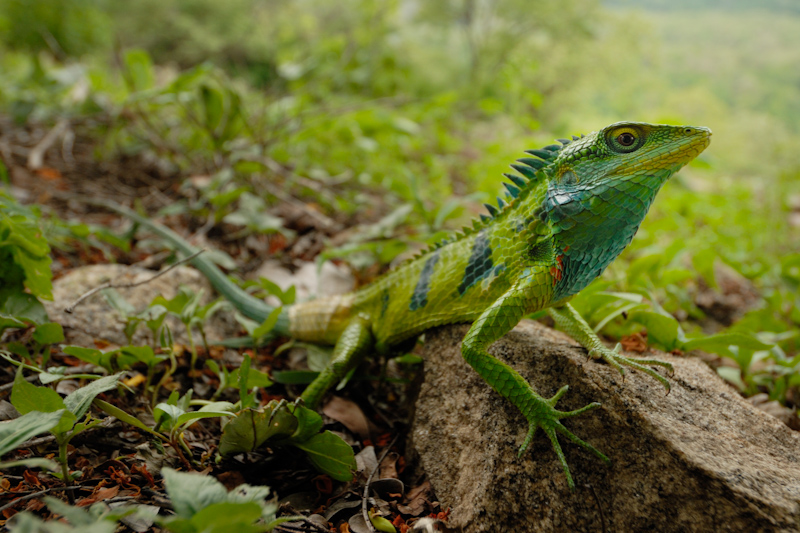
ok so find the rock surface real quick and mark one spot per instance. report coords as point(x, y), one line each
point(95, 319)
point(697, 459)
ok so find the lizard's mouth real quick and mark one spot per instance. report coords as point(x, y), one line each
point(678, 152)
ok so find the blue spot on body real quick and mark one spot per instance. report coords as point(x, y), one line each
point(384, 302)
point(480, 264)
point(420, 297)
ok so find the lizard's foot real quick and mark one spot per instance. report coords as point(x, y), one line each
point(541, 413)
point(617, 360)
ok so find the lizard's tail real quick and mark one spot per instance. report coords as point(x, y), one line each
point(245, 303)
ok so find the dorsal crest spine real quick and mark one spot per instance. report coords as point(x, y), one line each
point(532, 171)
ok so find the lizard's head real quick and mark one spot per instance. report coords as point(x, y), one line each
point(626, 150)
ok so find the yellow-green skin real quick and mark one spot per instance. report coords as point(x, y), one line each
point(574, 211)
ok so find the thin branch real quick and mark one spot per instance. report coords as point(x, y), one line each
point(33, 495)
point(110, 285)
point(365, 498)
point(36, 155)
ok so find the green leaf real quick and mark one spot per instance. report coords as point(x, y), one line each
point(26, 397)
point(251, 428)
point(197, 415)
point(229, 516)
point(139, 68)
point(294, 377)
point(78, 402)
point(15, 432)
point(732, 375)
point(213, 106)
point(703, 262)
point(118, 413)
point(48, 333)
point(118, 302)
point(723, 341)
point(309, 423)
point(190, 493)
point(268, 324)
point(661, 329)
point(130, 355)
point(91, 355)
point(255, 378)
point(330, 455)
point(167, 414)
point(32, 462)
point(381, 524)
point(23, 306)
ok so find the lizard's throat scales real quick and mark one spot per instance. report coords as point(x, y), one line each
point(593, 222)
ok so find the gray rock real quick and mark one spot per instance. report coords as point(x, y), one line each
point(95, 319)
point(310, 281)
point(697, 459)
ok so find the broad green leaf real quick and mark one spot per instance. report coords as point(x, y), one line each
point(91, 355)
point(7, 321)
point(661, 329)
point(165, 413)
point(48, 333)
point(224, 517)
point(23, 306)
point(219, 407)
point(722, 341)
point(130, 355)
point(381, 524)
point(32, 462)
point(330, 455)
point(118, 413)
point(139, 68)
point(703, 262)
point(26, 397)
point(732, 375)
point(78, 402)
point(197, 415)
point(213, 106)
point(268, 323)
point(309, 423)
point(294, 377)
point(118, 302)
point(251, 428)
point(255, 378)
point(16, 431)
point(191, 493)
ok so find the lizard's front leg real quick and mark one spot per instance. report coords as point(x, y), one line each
point(350, 348)
point(573, 323)
point(540, 412)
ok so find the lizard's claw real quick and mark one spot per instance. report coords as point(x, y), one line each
point(617, 360)
point(543, 414)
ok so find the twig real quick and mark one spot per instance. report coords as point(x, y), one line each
point(110, 285)
point(290, 526)
point(36, 155)
point(7, 386)
point(322, 219)
point(365, 498)
point(37, 442)
point(12, 503)
point(599, 508)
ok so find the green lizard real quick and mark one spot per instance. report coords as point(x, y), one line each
point(569, 213)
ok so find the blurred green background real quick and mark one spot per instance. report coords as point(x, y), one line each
point(362, 107)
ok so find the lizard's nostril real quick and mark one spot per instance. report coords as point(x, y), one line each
point(688, 131)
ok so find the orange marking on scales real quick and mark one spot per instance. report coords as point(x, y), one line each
point(558, 271)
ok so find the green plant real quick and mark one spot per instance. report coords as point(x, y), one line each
point(26, 398)
point(282, 424)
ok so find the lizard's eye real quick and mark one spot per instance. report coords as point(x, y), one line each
point(625, 139)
